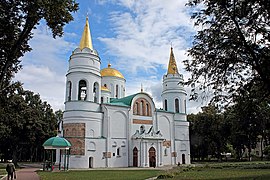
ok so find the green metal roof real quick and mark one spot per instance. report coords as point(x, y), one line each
point(56, 142)
point(126, 101)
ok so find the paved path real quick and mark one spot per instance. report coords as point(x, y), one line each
point(27, 173)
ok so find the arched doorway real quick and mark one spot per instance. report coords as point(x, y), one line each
point(91, 159)
point(135, 157)
point(183, 159)
point(152, 157)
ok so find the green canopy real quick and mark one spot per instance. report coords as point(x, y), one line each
point(56, 143)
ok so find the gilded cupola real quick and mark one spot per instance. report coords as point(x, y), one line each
point(111, 72)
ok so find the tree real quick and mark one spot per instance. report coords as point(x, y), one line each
point(249, 120)
point(18, 19)
point(208, 133)
point(231, 52)
point(26, 122)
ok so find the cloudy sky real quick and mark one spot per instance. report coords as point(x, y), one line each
point(135, 36)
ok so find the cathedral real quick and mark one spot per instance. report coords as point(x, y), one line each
point(108, 129)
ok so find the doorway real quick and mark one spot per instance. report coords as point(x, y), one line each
point(152, 157)
point(135, 157)
point(91, 159)
point(183, 159)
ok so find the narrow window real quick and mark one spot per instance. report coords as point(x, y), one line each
point(118, 152)
point(82, 90)
point(137, 108)
point(147, 110)
point(176, 101)
point(102, 100)
point(116, 91)
point(166, 106)
point(142, 108)
point(95, 92)
point(69, 90)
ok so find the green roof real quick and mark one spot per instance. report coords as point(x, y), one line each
point(56, 142)
point(126, 101)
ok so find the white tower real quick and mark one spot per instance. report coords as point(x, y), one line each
point(82, 117)
point(173, 94)
point(174, 101)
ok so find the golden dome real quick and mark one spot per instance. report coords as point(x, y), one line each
point(103, 88)
point(111, 72)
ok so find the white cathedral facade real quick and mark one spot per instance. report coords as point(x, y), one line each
point(108, 129)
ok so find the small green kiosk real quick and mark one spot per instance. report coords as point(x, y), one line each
point(56, 143)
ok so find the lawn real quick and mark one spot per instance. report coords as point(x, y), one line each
point(100, 174)
point(236, 171)
point(243, 174)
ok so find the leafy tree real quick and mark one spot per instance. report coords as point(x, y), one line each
point(208, 133)
point(231, 51)
point(249, 119)
point(26, 122)
point(18, 19)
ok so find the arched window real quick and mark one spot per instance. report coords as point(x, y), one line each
point(116, 91)
point(166, 105)
point(69, 86)
point(142, 108)
point(95, 92)
point(147, 109)
point(137, 108)
point(105, 85)
point(82, 90)
point(176, 102)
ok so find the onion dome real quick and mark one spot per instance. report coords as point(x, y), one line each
point(111, 72)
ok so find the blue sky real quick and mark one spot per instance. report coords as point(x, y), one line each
point(135, 36)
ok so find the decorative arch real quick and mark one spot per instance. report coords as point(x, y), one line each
point(91, 133)
point(142, 107)
point(92, 146)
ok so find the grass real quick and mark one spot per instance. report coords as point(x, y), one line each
point(100, 174)
point(236, 171)
point(242, 170)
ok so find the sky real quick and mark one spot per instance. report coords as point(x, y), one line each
point(135, 36)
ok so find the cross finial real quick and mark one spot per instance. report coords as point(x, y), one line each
point(141, 87)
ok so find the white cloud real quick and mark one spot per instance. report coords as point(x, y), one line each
point(145, 31)
point(44, 68)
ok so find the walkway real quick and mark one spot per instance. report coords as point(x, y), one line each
point(26, 173)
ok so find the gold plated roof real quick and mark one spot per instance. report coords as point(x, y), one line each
point(111, 72)
point(103, 88)
point(172, 67)
point(86, 40)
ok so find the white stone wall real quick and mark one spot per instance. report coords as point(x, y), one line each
point(111, 83)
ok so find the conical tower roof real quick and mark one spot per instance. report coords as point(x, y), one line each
point(172, 67)
point(86, 40)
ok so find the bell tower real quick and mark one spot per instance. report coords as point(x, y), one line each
point(173, 93)
point(83, 76)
